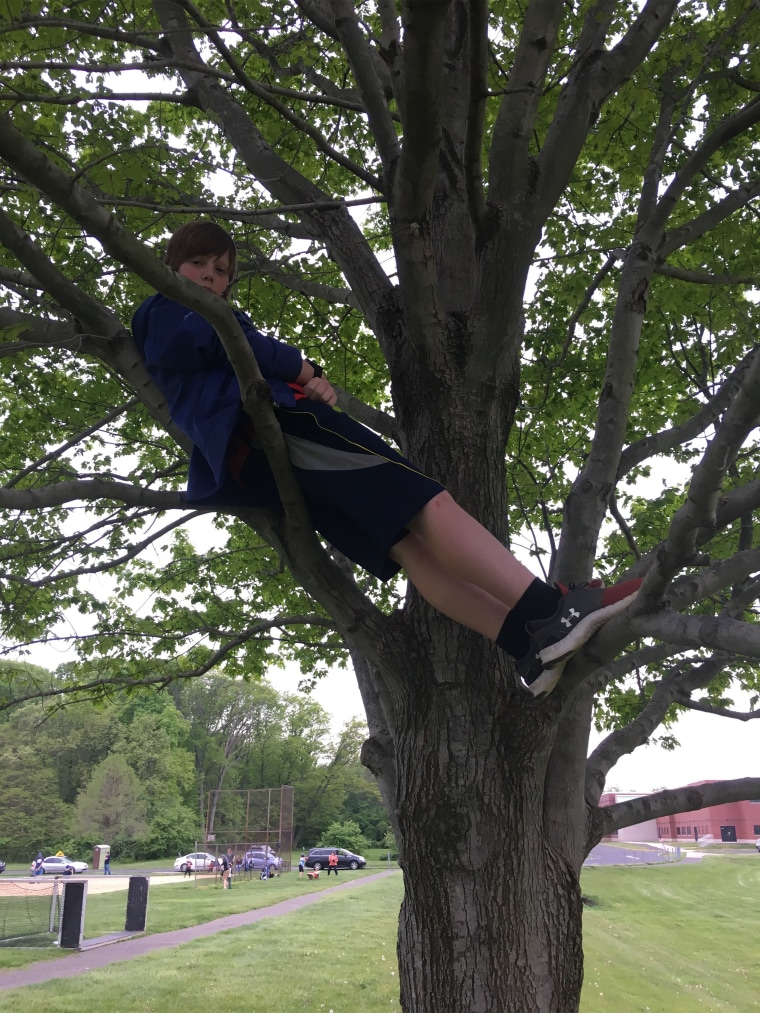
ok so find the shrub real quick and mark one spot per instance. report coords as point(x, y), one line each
point(346, 835)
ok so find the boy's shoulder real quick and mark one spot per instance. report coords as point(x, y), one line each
point(162, 303)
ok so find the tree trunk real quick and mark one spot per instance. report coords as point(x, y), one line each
point(491, 918)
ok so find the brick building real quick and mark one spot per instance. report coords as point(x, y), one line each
point(734, 822)
point(643, 832)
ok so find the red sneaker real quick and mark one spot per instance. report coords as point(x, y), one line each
point(583, 609)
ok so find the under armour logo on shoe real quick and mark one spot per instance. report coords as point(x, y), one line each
point(568, 619)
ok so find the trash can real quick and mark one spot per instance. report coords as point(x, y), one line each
point(99, 854)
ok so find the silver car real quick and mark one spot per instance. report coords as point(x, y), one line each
point(60, 863)
point(199, 861)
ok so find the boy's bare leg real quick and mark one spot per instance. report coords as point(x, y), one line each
point(458, 599)
point(465, 549)
point(463, 571)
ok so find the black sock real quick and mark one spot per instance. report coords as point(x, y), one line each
point(539, 601)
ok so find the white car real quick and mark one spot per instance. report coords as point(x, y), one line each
point(59, 865)
point(201, 861)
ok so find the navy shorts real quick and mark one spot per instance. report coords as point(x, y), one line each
point(360, 492)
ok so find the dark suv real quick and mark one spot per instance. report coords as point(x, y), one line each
point(318, 858)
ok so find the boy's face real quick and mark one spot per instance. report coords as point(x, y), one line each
point(210, 271)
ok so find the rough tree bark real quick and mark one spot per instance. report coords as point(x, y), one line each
point(489, 792)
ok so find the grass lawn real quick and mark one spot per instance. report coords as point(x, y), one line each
point(674, 938)
point(179, 905)
point(337, 955)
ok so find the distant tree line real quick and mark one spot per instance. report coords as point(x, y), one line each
point(135, 771)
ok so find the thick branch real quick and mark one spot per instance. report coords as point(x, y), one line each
point(699, 510)
point(35, 332)
point(477, 12)
point(736, 503)
point(680, 800)
point(594, 78)
point(715, 215)
point(335, 227)
point(587, 502)
point(637, 732)
point(649, 619)
point(510, 167)
point(716, 632)
point(362, 58)
point(707, 708)
point(89, 490)
point(730, 128)
point(677, 436)
point(422, 112)
point(261, 92)
point(373, 418)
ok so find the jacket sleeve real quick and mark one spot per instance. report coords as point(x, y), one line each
point(177, 338)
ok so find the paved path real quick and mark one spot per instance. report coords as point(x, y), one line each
point(138, 946)
point(635, 854)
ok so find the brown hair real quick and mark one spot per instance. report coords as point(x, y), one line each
point(200, 239)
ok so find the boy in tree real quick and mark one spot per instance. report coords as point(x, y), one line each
point(364, 497)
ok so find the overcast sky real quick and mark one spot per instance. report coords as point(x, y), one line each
point(711, 748)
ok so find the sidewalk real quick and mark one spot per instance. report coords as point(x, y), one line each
point(138, 946)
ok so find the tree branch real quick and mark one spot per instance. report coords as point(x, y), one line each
point(708, 708)
point(477, 15)
point(103, 567)
point(703, 278)
point(734, 504)
point(716, 632)
point(596, 75)
point(647, 618)
point(710, 219)
point(259, 91)
point(98, 31)
point(677, 436)
point(421, 113)
point(373, 418)
point(700, 508)
point(161, 680)
point(71, 442)
point(680, 800)
point(335, 227)
point(109, 340)
point(263, 265)
point(89, 490)
point(730, 128)
point(361, 57)
point(624, 741)
point(510, 167)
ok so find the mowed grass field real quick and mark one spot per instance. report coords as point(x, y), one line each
point(666, 939)
point(673, 938)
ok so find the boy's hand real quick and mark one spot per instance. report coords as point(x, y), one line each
point(319, 388)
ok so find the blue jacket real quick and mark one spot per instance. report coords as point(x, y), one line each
point(188, 362)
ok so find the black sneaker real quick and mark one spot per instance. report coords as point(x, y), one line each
point(582, 610)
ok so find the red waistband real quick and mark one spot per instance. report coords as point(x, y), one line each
point(239, 446)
